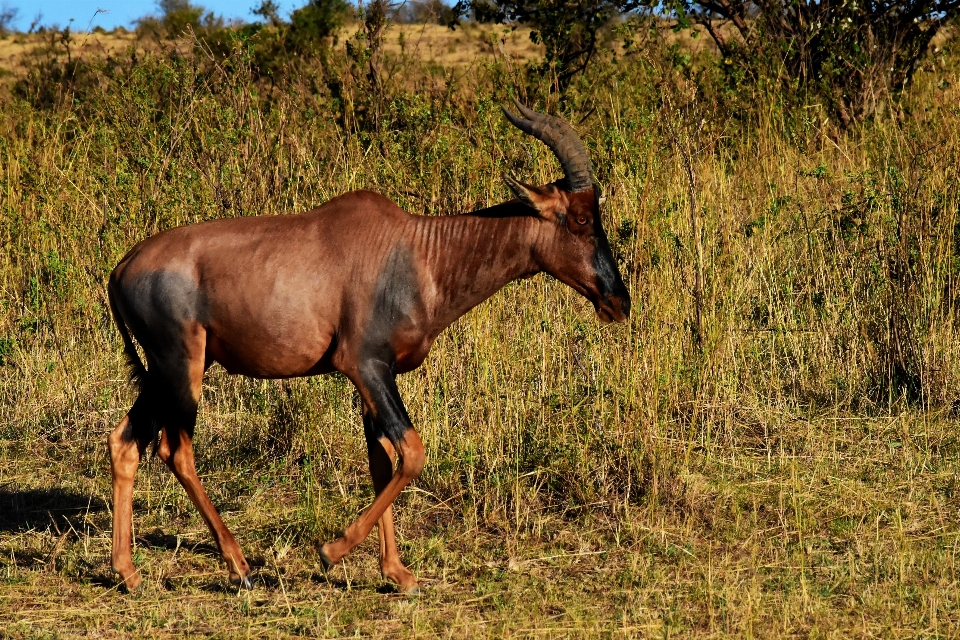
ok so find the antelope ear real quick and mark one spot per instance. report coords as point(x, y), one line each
point(527, 194)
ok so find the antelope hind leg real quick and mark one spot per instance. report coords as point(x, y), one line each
point(179, 458)
point(125, 452)
point(183, 370)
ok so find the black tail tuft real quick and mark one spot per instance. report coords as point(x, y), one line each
point(138, 372)
point(143, 414)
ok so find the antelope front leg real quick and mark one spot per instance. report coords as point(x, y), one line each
point(382, 462)
point(388, 421)
point(411, 456)
point(125, 452)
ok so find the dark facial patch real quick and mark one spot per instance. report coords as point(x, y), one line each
point(608, 275)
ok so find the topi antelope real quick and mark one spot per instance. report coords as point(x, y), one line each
point(357, 286)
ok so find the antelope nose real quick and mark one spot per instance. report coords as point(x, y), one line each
point(620, 305)
point(625, 306)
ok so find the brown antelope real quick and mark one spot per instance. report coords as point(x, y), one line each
point(357, 286)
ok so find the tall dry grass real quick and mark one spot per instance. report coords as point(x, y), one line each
point(793, 470)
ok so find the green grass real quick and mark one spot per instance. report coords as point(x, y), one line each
point(796, 474)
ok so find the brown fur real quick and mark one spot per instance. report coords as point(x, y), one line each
point(357, 286)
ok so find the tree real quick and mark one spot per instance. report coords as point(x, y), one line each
point(7, 15)
point(853, 53)
point(314, 23)
point(178, 15)
point(270, 12)
point(423, 12)
point(569, 31)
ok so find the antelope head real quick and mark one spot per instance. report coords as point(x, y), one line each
point(572, 245)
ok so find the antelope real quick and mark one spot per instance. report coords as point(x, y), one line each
point(356, 285)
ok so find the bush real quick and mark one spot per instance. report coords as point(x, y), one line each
point(315, 23)
point(852, 55)
point(569, 31)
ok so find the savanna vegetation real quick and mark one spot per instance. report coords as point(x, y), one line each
point(768, 448)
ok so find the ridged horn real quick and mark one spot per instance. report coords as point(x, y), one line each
point(562, 140)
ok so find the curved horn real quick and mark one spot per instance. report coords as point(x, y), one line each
point(562, 140)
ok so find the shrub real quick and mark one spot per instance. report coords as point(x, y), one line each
point(853, 55)
point(569, 31)
point(315, 23)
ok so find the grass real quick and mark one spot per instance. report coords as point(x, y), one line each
point(793, 473)
point(425, 42)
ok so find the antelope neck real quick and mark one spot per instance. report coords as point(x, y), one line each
point(470, 257)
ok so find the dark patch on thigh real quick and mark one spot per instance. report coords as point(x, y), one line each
point(158, 308)
point(160, 299)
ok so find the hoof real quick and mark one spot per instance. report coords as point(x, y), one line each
point(241, 581)
point(131, 583)
point(324, 558)
point(131, 589)
point(325, 561)
point(402, 578)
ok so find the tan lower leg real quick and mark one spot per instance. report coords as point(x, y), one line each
point(382, 460)
point(411, 464)
point(181, 463)
point(391, 567)
point(388, 541)
point(125, 452)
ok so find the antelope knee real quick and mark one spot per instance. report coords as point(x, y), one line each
point(118, 439)
point(414, 455)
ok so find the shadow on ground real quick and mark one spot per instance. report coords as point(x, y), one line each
point(26, 509)
point(160, 540)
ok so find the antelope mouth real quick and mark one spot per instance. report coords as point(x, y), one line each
point(611, 310)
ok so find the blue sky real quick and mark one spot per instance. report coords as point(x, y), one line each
point(121, 12)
